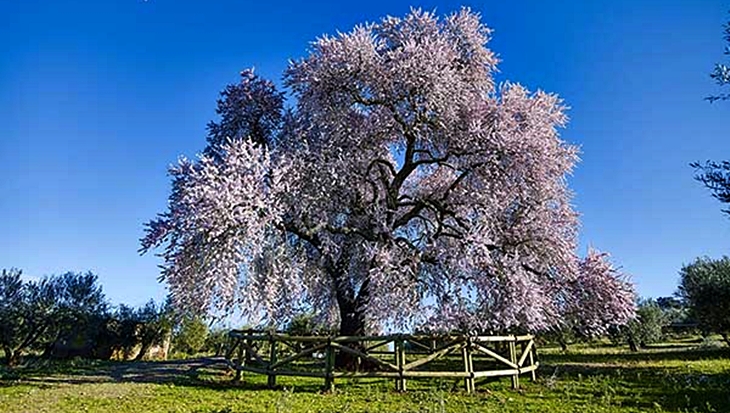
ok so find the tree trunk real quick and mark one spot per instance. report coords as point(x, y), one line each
point(563, 344)
point(144, 348)
point(352, 323)
point(12, 358)
point(50, 348)
point(632, 344)
point(351, 304)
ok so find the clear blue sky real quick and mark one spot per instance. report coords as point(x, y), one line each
point(98, 97)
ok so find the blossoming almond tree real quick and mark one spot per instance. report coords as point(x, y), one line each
point(404, 183)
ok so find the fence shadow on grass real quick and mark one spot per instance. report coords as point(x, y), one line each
point(209, 373)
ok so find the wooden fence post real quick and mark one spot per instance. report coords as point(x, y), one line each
point(239, 359)
point(272, 360)
point(396, 359)
point(230, 347)
point(470, 354)
point(532, 359)
point(466, 354)
point(513, 359)
point(249, 345)
point(329, 367)
point(245, 344)
point(399, 349)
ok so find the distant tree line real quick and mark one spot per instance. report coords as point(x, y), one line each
point(655, 320)
point(701, 306)
point(67, 315)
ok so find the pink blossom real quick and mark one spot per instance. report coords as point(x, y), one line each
point(404, 184)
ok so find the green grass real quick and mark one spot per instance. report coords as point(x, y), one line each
point(674, 377)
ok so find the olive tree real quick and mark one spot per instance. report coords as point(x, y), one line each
point(44, 314)
point(705, 287)
point(190, 335)
point(721, 72)
point(716, 175)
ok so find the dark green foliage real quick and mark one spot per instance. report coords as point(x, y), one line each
point(650, 320)
point(24, 307)
point(645, 329)
point(80, 316)
point(11, 296)
point(721, 73)
point(132, 331)
point(55, 312)
point(560, 336)
point(673, 308)
point(215, 342)
point(305, 324)
point(154, 325)
point(191, 335)
point(123, 331)
point(705, 287)
point(66, 316)
point(716, 177)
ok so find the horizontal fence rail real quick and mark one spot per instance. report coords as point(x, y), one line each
point(396, 356)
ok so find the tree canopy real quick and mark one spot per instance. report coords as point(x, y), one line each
point(716, 175)
point(41, 314)
point(190, 335)
point(404, 183)
point(705, 287)
point(721, 73)
point(67, 315)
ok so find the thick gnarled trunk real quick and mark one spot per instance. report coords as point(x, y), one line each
point(351, 306)
point(12, 357)
point(563, 343)
point(632, 344)
point(352, 323)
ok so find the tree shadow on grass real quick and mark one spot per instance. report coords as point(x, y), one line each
point(202, 372)
point(208, 373)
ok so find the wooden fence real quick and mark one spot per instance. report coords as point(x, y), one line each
point(398, 356)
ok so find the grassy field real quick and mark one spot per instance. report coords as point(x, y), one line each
point(678, 377)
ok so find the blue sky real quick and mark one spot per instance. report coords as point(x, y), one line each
point(97, 98)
